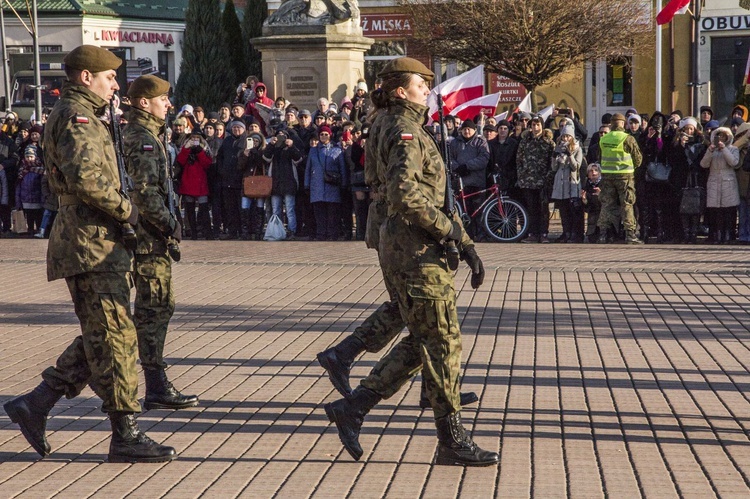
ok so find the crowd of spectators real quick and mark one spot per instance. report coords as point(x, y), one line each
point(315, 159)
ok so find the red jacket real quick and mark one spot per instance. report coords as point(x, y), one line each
point(194, 179)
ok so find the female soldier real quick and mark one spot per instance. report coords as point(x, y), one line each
point(413, 241)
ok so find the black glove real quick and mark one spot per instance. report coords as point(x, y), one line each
point(469, 255)
point(133, 218)
point(456, 231)
point(463, 170)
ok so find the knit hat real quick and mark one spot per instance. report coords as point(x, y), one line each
point(29, 151)
point(235, 123)
point(361, 85)
point(606, 119)
point(503, 123)
point(188, 108)
point(711, 125)
point(524, 116)
point(25, 125)
point(469, 124)
point(149, 86)
point(226, 105)
point(707, 109)
point(634, 117)
point(37, 128)
point(630, 111)
point(345, 101)
point(324, 128)
point(688, 121)
point(258, 137)
point(568, 130)
point(92, 58)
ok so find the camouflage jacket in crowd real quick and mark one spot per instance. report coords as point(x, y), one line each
point(146, 162)
point(533, 160)
point(410, 171)
point(82, 170)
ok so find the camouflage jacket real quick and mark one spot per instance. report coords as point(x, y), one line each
point(82, 169)
point(533, 160)
point(410, 171)
point(146, 161)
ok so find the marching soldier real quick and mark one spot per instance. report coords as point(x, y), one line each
point(146, 162)
point(413, 259)
point(86, 248)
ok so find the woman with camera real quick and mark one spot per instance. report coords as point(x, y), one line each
point(566, 187)
point(683, 154)
point(253, 211)
point(722, 190)
point(283, 155)
point(193, 162)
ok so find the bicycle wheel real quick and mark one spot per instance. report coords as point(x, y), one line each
point(505, 221)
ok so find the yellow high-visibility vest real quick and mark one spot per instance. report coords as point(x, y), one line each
point(614, 157)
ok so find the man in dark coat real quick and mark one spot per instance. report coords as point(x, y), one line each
point(230, 178)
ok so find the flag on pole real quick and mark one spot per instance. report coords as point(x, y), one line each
point(672, 8)
point(468, 110)
point(502, 116)
point(547, 111)
point(525, 105)
point(457, 90)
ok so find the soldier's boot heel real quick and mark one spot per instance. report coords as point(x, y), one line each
point(348, 414)
point(456, 448)
point(467, 398)
point(30, 412)
point(338, 360)
point(130, 445)
point(161, 393)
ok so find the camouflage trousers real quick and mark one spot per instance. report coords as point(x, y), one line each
point(618, 198)
point(154, 306)
point(427, 303)
point(104, 355)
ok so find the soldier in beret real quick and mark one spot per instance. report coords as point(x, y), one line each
point(146, 161)
point(87, 250)
point(404, 165)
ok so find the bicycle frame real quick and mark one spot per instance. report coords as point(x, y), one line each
point(495, 195)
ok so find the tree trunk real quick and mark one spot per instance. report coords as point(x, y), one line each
point(534, 107)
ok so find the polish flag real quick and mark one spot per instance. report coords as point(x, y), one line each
point(547, 111)
point(525, 105)
point(502, 116)
point(486, 104)
point(456, 91)
point(673, 8)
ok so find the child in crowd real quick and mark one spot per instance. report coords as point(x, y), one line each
point(590, 198)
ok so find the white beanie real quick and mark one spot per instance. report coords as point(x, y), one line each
point(186, 107)
point(568, 129)
point(361, 85)
point(688, 121)
point(634, 117)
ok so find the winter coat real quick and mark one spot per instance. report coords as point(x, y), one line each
point(503, 162)
point(29, 185)
point(742, 142)
point(229, 175)
point(567, 168)
point(474, 155)
point(325, 157)
point(50, 200)
point(283, 169)
point(722, 190)
point(194, 164)
point(533, 160)
point(4, 198)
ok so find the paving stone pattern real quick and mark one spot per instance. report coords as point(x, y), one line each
point(602, 371)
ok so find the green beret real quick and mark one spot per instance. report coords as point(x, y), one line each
point(406, 65)
point(92, 58)
point(148, 86)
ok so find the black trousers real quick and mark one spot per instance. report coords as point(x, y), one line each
point(536, 202)
point(232, 203)
point(327, 220)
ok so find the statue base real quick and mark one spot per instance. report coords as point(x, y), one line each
point(305, 62)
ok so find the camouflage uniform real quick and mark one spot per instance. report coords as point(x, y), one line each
point(617, 194)
point(411, 173)
point(154, 300)
point(535, 176)
point(85, 248)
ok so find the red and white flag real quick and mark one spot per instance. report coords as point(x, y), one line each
point(457, 90)
point(486, 104)
point(673, 8)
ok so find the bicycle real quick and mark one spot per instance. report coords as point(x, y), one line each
point(503, 219)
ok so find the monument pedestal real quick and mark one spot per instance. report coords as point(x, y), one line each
point(304, 63)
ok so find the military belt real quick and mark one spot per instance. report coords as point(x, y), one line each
point(69, 200)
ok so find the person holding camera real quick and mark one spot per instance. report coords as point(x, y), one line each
point(250, 162)
point(566, 113)
point(192, 164)
point(566, 188)
point(283, 155)
point(683, 157)
point(722, 189)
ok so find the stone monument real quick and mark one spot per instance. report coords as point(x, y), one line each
point(312, 49)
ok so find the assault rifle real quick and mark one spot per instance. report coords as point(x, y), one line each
point(126, 183)
point(449, 206)
point(172, 246)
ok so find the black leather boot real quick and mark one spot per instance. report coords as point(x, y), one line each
point(192, 225)
point(338, 360)
point(204, 221)
point(30, 412)
point(457, 448)
point(130, 445)
point(467, 398)
point(245, 221)
point(349, 413)
point(161, 394)
point(258, 219)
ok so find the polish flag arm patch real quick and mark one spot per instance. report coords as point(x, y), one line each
point(81, 119)
point(148, 147)
point(407, 136)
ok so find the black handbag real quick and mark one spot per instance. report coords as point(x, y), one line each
point(693, 200)
point(658, 172)
point(332, 178)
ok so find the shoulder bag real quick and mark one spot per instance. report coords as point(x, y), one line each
point(257, 186)
point(658, 172)
point(693, 200)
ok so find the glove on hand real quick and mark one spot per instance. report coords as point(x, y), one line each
point(469, 255)
point(463, 170)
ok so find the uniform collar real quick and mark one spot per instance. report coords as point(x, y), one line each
point(412, 110)
point(83, 95)
point(145, 119)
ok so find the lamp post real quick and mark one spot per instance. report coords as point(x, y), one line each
point(37, 71)
point(6, 65)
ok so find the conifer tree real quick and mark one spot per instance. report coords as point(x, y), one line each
point(234, 43)
point(256, 12)
point(205, 79)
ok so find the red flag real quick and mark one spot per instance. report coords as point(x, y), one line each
point(457, 90)
point(673, 7)
point(469, 109)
